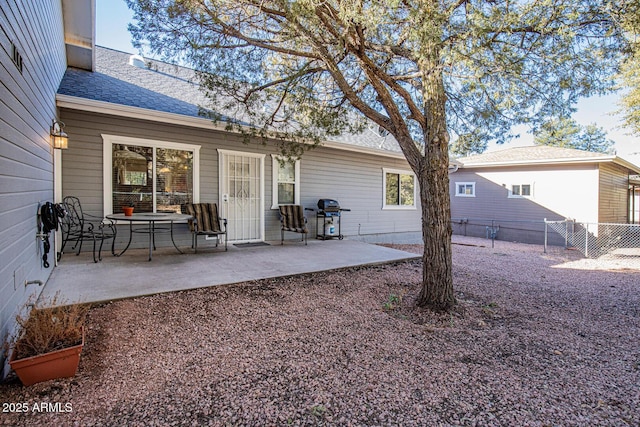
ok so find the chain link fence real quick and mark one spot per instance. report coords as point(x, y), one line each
point(521, 231)
point(615, 242)
point(596, 240)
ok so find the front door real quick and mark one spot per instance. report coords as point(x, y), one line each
point(242, 195)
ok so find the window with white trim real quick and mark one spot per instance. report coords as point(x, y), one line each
point(286, 181)
point(465, 189)
point(153, 176)
point(521, 190)
point(399, 189)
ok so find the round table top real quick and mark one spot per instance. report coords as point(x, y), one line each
point(150, 216)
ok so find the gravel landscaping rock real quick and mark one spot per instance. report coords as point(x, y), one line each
point(535, 340)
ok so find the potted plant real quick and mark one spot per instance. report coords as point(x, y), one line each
point(128, 210)
point(130, 201)
point(49, 341)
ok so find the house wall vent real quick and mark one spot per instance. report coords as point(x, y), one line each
point(137, 61)
point(16, 57)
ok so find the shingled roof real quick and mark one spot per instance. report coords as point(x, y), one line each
point(156, 85)
point(540, 154)
point(171, 89)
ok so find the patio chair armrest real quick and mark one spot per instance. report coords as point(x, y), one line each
point(93, 218)
point(92, 221)
point(107, 228)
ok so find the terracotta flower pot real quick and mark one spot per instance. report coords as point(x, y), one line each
point(128, 210)
point(48, 366)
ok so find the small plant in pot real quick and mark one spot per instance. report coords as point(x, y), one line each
point(128, 209)
point(49, 341)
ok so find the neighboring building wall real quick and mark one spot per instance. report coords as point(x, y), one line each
point(614, 194)
point(354, 179)
point(557, 192)
point(27, 106)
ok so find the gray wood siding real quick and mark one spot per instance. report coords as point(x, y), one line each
point(27, 106)
point(613, 202)
point(354, 179)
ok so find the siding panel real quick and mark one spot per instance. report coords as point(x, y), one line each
point(27, 106)
point(613, 203)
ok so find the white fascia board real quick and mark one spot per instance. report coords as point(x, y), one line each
point(89, 105)
point(578, 160)
point(83, 104)
point(627, 164)
point(537, 162)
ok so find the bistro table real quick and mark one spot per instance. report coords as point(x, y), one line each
point(150, 218)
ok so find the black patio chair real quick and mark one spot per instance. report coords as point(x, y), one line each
point(292, 219)
point(206, 222)
point(78, 226)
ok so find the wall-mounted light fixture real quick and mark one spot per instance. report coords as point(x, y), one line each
point(59, 138)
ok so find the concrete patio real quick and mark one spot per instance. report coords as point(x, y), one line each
point(79, 279)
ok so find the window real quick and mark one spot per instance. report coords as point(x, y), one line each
point(286, 182)
point(153, 176)
point(465, 189)
point(520, 190)
point(399, 189)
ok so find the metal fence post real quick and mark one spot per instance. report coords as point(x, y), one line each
point(493, 234)
point(586, 240)
point(545, 235)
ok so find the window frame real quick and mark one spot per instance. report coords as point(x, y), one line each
point(466, 183)
point(275, 161)
point(107, 164)
point(511, 194)
point(398, 172)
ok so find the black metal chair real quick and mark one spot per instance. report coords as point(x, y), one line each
point(206, 222)
point(78, 226)
point(292, 219)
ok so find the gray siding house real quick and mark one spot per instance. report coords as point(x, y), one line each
point(137, 133)
point(37, 42)
point(519, 187)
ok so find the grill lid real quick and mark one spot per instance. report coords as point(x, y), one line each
point(328, 205)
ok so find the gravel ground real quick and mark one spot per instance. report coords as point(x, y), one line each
point(536, 340)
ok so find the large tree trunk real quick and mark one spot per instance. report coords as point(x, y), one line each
point(437, 285)
point(433, 177)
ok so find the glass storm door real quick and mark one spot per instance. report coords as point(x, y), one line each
point(242, 195)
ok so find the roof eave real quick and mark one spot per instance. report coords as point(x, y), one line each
point(581, 160)
point(102, 107)
point(79, 21)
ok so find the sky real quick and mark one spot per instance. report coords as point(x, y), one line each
point(113, 16)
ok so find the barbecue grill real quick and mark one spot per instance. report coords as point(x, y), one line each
point(329, 211)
